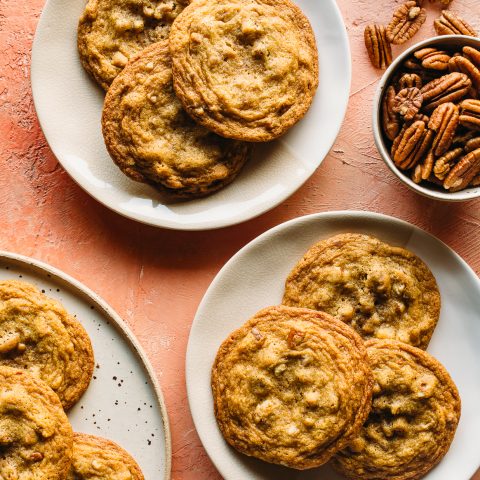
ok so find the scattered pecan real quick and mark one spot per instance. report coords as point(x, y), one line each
point(433, 59)
point(472, 144)
point(449, 88)
point(406, 22)
point(463, 172)
point(444, 164)
point(470, 114)
point(390, 122)
point(443, 122)
point(452, 24)
point(408, 102)
point(464, 65)
point(378, 46)
point(472, 54)
point(409, 80)
point(411, 144)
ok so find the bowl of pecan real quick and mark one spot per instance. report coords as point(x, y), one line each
point(426, 118)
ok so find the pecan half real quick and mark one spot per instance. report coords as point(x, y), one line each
point(464, 65)
point(432, 58)
point(409, 80)
point(443, 122)
point(406, 22)
point(378, 47)
point(424, 170)
point(411, 144)
point(475, 182)
point(472, 54)
point(448, 88)
point(412, 64)
point(463, 172)
point(444, 164)
point(472, 144)
point(390, 121)
point(408, 102)
point(470, 114)
point(452, 24)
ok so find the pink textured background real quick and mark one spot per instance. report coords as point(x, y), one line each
point(155, 278)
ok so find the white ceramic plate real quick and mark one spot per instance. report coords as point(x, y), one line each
point(254, 278)
point(123, 402)
point(69, 107)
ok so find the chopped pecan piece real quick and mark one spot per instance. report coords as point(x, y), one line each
point(433, 59)
point(406, 22)
point(463, 172)
point(470, 114)
point(390, 122)
point(472, 54)
point(294, 338)
point(409, 80)
point(464, 65)
point(452, 24)
point(443, 122)
point(448, 88)
point(472, 144)
point(408, 102)
point(411, 144)
point(378, 46)
point(445, 163)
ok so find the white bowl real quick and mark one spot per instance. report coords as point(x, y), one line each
point(433, 191)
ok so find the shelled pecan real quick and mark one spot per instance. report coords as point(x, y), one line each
point(444, 164)
point(472, 144)
point(408, 102)
point(463, 172)
point(424, 170)
point(450, 23)
point(406, 22)
point(464, 65)
point(470, 114)
point(410, 145)
point(475, 181)
point(443, 122)
point(433, 59)
point(409, 80)
point(378, 46)
point(448, 88)
point(472, 54)
point(390, 121)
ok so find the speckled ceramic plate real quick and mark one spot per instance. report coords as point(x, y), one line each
point(123, 402)
point(69, 106)
point(254, 278)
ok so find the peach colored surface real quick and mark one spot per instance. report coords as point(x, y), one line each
point(155, 278)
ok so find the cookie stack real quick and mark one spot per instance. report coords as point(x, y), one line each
point(338, 372)
point(189, 87)
point(46, 364)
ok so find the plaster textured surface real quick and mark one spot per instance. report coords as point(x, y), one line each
point(155, 278)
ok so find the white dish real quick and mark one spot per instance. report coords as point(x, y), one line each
point(123, 402)
point(254, 278)
point(69, 106)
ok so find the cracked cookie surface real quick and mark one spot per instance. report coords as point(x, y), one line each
point(380, 290)
point(110, 32)
point(152, 139)
point(415, 412)
point(246, 69)
point(291, 386)
point(35, 436)
point(96, 458)
point(39, 335)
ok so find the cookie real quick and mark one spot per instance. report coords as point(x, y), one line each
point(110, 32)
point(245, 69)
point(380, 290)
point(292, 387)
point(151, 138)
point(415, 412)
point(35, 436)
point(96, 458)
point(37, 334)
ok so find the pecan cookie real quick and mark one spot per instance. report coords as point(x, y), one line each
point(415, 412)
point(246, 69)
point(153, 140)
point(37, 334)
point(110, 32)
point(292, 386)
point(380, 290)
point(96, 458)
point(35, 436)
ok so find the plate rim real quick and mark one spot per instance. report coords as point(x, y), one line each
point(119, 323)
point(318, 216)
point(169, 224)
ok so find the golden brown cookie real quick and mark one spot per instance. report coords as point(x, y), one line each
point(415, 412)
point(110, 32)
point(151, 138)
point(35, 436)
point(246, 69)
point(292, 386)
point(380, 290)
point(96, 458)
point(37, 334)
